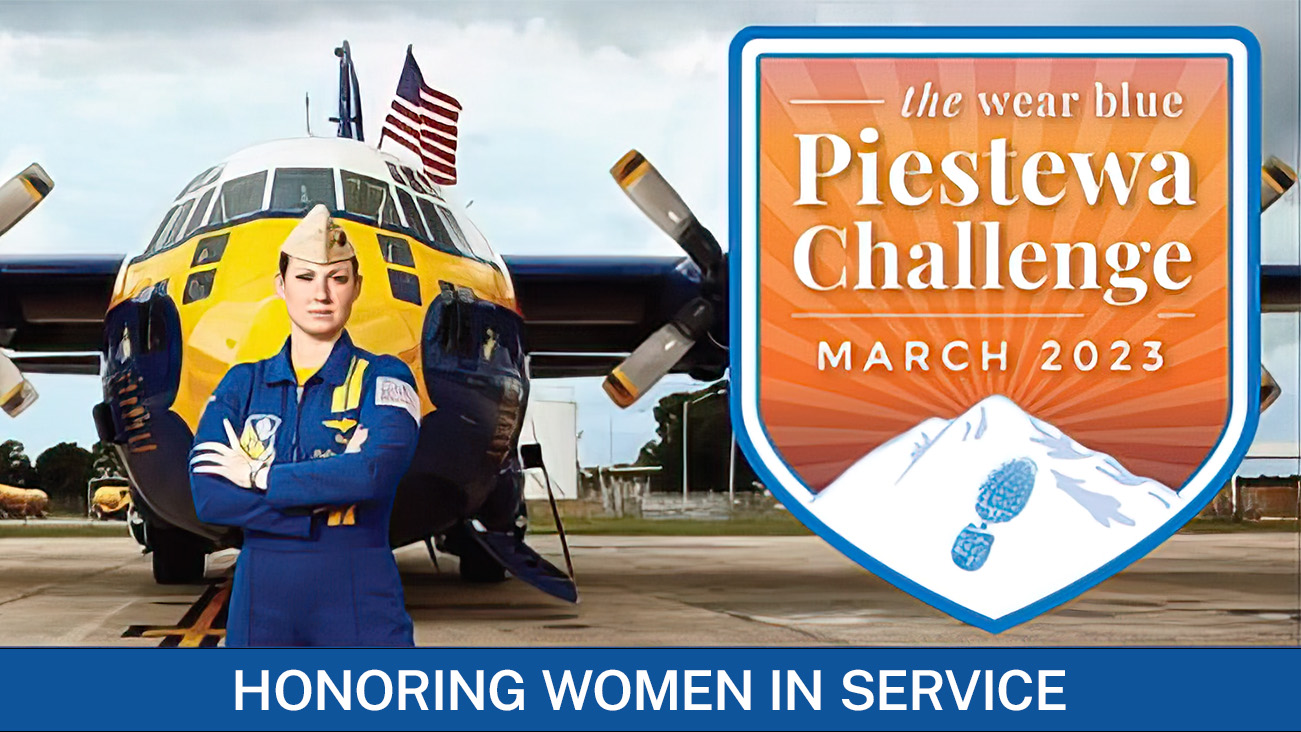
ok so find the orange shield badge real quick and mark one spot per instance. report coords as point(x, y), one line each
point(994, 295)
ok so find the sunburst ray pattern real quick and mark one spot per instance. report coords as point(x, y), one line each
point(1159, 423)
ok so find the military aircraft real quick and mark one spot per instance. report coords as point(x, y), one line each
point(161, 329)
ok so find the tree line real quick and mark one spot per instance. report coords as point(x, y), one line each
point(62, 471)
point(710, 436)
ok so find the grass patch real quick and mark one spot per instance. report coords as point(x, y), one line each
point(1228, 526)
point(38, 529)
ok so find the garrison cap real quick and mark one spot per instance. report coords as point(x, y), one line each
point(317, 239)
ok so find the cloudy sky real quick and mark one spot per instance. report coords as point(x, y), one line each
point(123, 102)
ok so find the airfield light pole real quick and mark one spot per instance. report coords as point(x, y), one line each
point(686, 411)
point(731, 474)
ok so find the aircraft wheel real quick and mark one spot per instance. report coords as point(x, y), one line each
point(179, 557)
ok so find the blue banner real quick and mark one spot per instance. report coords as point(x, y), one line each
point(658, 688)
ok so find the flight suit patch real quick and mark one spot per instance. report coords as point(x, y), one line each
point(259, 434)
point(342, 425)
point(391, 392)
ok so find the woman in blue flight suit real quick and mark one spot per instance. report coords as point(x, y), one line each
point(304, 451)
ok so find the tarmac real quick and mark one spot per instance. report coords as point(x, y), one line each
point(1196, 589)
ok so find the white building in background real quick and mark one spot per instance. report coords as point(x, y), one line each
point(554, 424)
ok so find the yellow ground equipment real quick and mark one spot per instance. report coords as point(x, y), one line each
point(108, 498)
point(22, 502)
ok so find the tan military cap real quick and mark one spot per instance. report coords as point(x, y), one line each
point(317, 239)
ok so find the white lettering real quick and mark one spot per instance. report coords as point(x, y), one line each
point(280, 690)
point(1002, 690)
point(405, 689)
point(624, 695)
point(387, 684)
point(515, 693)
point(809, 170)
point(241, 690)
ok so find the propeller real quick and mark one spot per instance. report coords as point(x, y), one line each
point(1276, 178)
point(18, 196)
point(659, 353)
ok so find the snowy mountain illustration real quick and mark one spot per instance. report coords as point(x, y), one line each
point(994, 509)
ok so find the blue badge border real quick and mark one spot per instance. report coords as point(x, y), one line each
point(738, 390)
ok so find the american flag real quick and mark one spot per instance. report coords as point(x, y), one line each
point(423, 120)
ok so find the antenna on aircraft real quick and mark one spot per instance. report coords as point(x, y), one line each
point(307, 102)
point(349, 118)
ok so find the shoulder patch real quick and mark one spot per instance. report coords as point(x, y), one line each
point(391, 392)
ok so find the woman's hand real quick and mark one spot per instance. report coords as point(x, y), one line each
point(358, 439)
point(232, 463)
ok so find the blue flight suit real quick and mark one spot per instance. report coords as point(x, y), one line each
point(316, 567)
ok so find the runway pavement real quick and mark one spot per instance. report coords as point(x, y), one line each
point(1204, 589)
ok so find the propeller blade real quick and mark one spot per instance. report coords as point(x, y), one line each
point(16, 392)
point(659, 353)
point(1269, 389)
point(657, 199)
point(21, 193)
point(1276, 178)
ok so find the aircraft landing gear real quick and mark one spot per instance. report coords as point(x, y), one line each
point(136, 523)
point(476, 564)
point(479, 566)
point(179, 556)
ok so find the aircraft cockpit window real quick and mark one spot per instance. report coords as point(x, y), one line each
point(200, 212)
point(158, 235)
point(212, 176)
point(398, 177)
point(173, 233)
point(462, 241)
point(298, 189)
point(417, 182)
point(370, 197)
point(201, 180)
point(478, 242)
point(428, 183)
point(193, 184)
point(438, 234)
point(240, 197)
point(413, 214)
point(198, 286)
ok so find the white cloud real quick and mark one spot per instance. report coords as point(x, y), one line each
point(127, 119)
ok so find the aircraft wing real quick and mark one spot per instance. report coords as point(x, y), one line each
point(55, 304)
point(583, 315)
